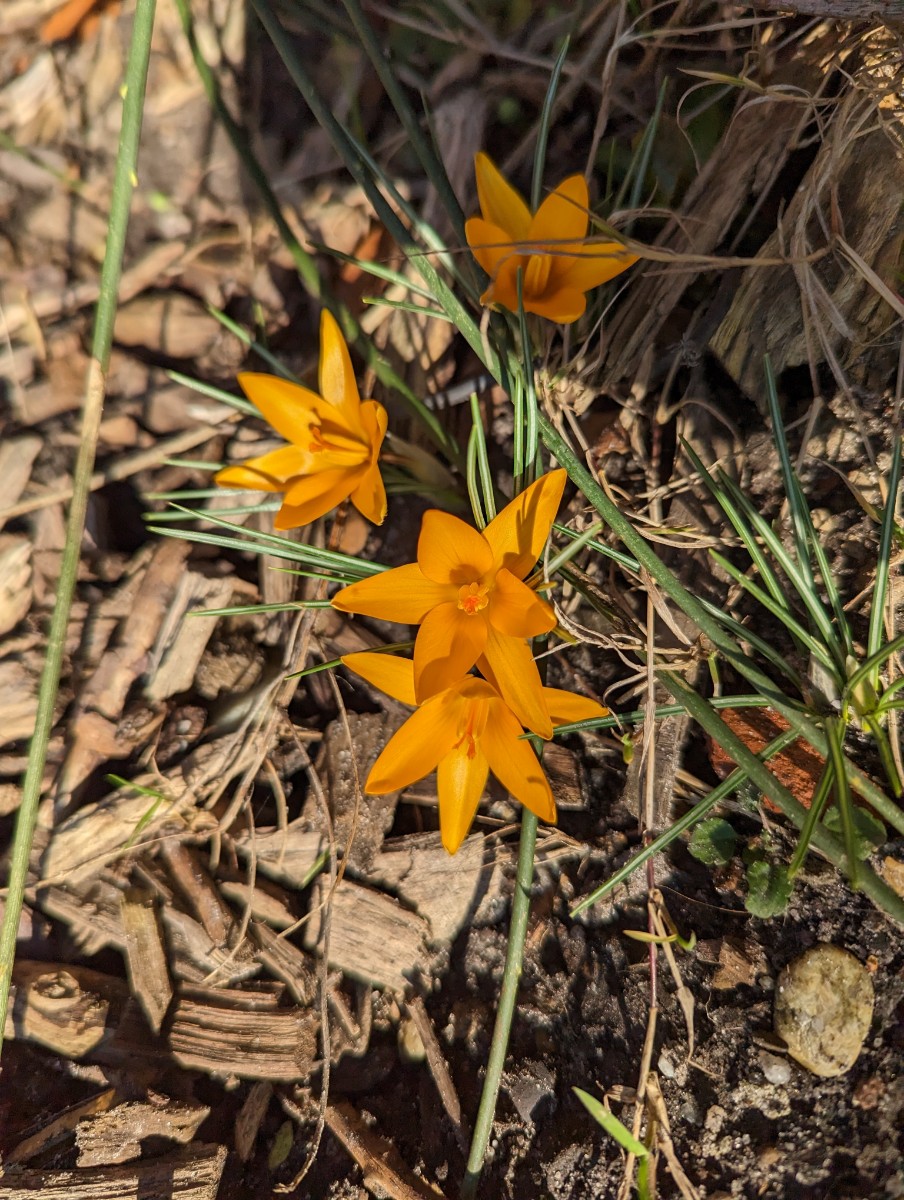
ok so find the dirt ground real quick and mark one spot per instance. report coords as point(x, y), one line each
point(186, 967)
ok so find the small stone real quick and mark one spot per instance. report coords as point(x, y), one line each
point(823, 1009)
point(775, 1069)
point(666, 1067)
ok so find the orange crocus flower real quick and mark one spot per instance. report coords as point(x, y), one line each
point(462, 733)
point(334, 440)
point(558, 265)
point(466, 593)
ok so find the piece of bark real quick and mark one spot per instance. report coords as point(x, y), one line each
point(198, 889)
point(829, 310)
point(60, 1127)
point(18, 701)
point(169, 323)
point(372, 938)
point(284, 855)
point(115, 1136)
point(262, 904)
point(384, 1172)
point(196, 957)
point(102, 697)
point(192, 1173)
point(70, 1009)
point(16, 458)
point(146, 956)
point(359, 822)
point(563, 770)
point(250, 1118)
point(15, 580)
point(243, 1033)
point(182, 638)
point(756, 141)
point(443, 888)
point(92, 911)
point(285, 962)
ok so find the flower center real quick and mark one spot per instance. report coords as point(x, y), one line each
point(334, 441)
point(473, 598)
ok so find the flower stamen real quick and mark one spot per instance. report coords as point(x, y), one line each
point(473, 598)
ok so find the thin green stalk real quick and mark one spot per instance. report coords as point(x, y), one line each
point(817, 804)
point(536, 189)
point(883, 562)
point(124, 183)
point(514, 958)
point(835, 735)
point(700, 709)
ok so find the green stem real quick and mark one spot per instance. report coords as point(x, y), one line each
point(514, 958)
point(124, 183)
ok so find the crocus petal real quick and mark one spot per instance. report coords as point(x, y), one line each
point(451, 552)
point(564, 707)
point(503, 290)
point(586, 265)
point(244, 476)
point(500, 203)
point(392, 675)
point(564, 305)
point(564, 214)
point(490, 245)
point(460, 782)
point(414, 750)
point(518, 680)
point(516, 610)
point(311, 497)
point(518, 534)
point(374, 422)
point(403, 594)
point(514, 763)
point(369, 497)
point(337, 376)
point(448, 644)
point(290, 408)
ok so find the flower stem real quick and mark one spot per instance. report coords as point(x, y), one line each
point(124, 183)
point(508, 994)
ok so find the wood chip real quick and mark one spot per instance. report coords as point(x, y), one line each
point(15, 580)
point(16, 458)
point(442, 888)
point(69, 1009)
point(183, 638)
point(250, 1118)
point(372, 938)
point(115, 1136)
point(384, 1172)
point(285, 855)
point(243, 1033)
point(146, 957)
point(192, 1173)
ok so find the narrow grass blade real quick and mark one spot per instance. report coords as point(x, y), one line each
point(483, 500)
point(817, 804)
point(610, 1122)
point(246, 339)
point(842, 787)
point(883, 562)
point(214, 393)
point(508, 995)
point(536, 187)
point(124, 182)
